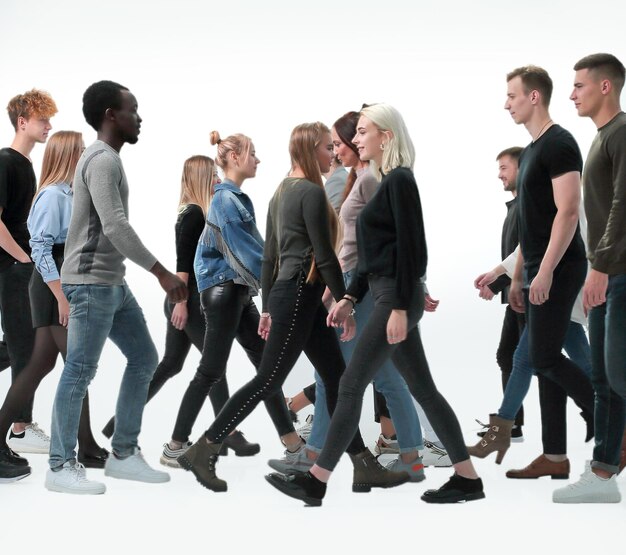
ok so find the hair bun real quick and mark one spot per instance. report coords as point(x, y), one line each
point(215, 138)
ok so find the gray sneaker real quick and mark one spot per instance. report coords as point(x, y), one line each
point(134, 468)
point(432, 455)
point(415, 469)
point(304, 431)
point(292, 462)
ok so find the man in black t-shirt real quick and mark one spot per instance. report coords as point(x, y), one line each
point(30, 115)
point(553, 261)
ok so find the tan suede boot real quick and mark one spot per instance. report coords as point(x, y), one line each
point(496, 438)
point(200, 459)
point(369, 473)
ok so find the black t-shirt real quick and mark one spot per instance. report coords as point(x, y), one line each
point(17, 189)
point(553, 154)
point(189, 227)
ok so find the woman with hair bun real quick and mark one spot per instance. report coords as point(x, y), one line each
point(392, 258)
point(298, 260)
point(48, 223)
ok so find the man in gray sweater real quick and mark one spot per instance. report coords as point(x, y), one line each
point(102, 306)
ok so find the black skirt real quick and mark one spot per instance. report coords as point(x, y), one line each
point(44, 308)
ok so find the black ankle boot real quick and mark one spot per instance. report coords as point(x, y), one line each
point(299, 485)
point(456, 490)
point(240, 445)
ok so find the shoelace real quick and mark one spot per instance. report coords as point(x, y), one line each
point(34, 427)
point(436, 450)
point(79, 470)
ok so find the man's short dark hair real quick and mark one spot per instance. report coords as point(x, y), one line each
point(514, 152)
point(534, 78)
point(605, 66)
point(98, 98)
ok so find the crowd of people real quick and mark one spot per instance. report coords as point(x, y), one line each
point(341, 278)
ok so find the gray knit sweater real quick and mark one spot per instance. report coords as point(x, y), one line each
point(100, 236)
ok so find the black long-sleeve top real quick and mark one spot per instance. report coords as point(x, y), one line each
point(510, 240)
point(390, 238)
point(189, 227)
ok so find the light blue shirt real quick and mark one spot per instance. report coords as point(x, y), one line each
point(48, 222)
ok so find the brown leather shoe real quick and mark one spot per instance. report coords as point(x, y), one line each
point(542, 466)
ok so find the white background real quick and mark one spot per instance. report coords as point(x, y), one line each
point(261, 68)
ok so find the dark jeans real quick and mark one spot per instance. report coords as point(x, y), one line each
point(298, 324)
point(17, 324)
point(607, 333)
point(230, 313)
point(512, 328)
point(372, 349)
point(559, 377)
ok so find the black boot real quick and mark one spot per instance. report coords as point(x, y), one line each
point(240, 445)
point(201, 459)
point(299, 485)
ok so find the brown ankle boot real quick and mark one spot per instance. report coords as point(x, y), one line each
point(201, 458)
point(369, 473)
point(496, 438)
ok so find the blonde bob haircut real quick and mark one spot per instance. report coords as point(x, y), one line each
point(196, 184)
point(399, 151)
point(60, 159)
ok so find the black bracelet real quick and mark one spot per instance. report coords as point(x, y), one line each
point(349, 299)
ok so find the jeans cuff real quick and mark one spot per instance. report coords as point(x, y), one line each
point(419, 447)
point(613, 469)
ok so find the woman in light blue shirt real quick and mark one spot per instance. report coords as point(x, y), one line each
point(48, 223)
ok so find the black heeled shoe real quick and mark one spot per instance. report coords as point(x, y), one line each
point(94, 461)
point(240, 445)
point(299, 485)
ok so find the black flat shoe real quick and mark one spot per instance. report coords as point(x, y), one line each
point(456, 490)
point(8, 456)
point(94, 461)
point(299, 485)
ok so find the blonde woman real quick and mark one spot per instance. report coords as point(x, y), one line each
point(48, 222)
point(298, 260)
point(392, 257)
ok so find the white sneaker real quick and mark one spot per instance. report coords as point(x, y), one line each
point(304, 431)
point(386, 446)
point(32, 440)
point(590, 488)
point(135, 468)
point(72, 478)
point(435, 456)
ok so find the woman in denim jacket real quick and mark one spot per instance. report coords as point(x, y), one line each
point(227, 268)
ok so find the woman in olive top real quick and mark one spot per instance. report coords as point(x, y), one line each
point(298, 260)
point(391, 259)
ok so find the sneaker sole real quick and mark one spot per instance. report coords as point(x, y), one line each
point(29, 449)
point(9, 479)
point(170, 463)
point(455, 499)
point(311, 501)
point(284, 468)
point(159, 479)
point(60, 489)
point(185, 464)
point(593, 499)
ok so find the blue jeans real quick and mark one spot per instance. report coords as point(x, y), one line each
point(607, 334)
point(98, 312)
point(387, 381)
point(577, 348)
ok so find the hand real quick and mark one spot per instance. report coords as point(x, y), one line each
point(396, 327)
point(516, 297)
point(327, 299)
point(349, 329)
point(64, 311)
point(594, 290)
point(339, 313)
point(485, 293)
point(265, 324)
point(430, 304)
point(180, 315)
point(25, 259)
point(539, 291)
point(485, 279)
point(174, 287)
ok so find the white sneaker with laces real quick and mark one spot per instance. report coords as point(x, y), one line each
point(135, 468)
point(32, 440)
point(435, 456)
point(72, 478)
point(386, 446)
point(304, 431)
point(590, 488)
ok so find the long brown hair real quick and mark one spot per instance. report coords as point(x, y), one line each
point(196, 183)
point(60, 158)
point(304, 140)
point(345, 127)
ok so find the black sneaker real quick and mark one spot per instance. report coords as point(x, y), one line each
point(299, 485)
point(456, 490)
point(11, 466)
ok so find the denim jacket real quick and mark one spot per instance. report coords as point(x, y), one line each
point(230, 246)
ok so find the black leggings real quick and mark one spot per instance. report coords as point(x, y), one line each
point(298, 324)
point(371, 351)
point(230, 313)
point(49, 342)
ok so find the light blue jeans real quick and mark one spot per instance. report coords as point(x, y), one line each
point(575, 345)
point(98, 312)
point(387, 380)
